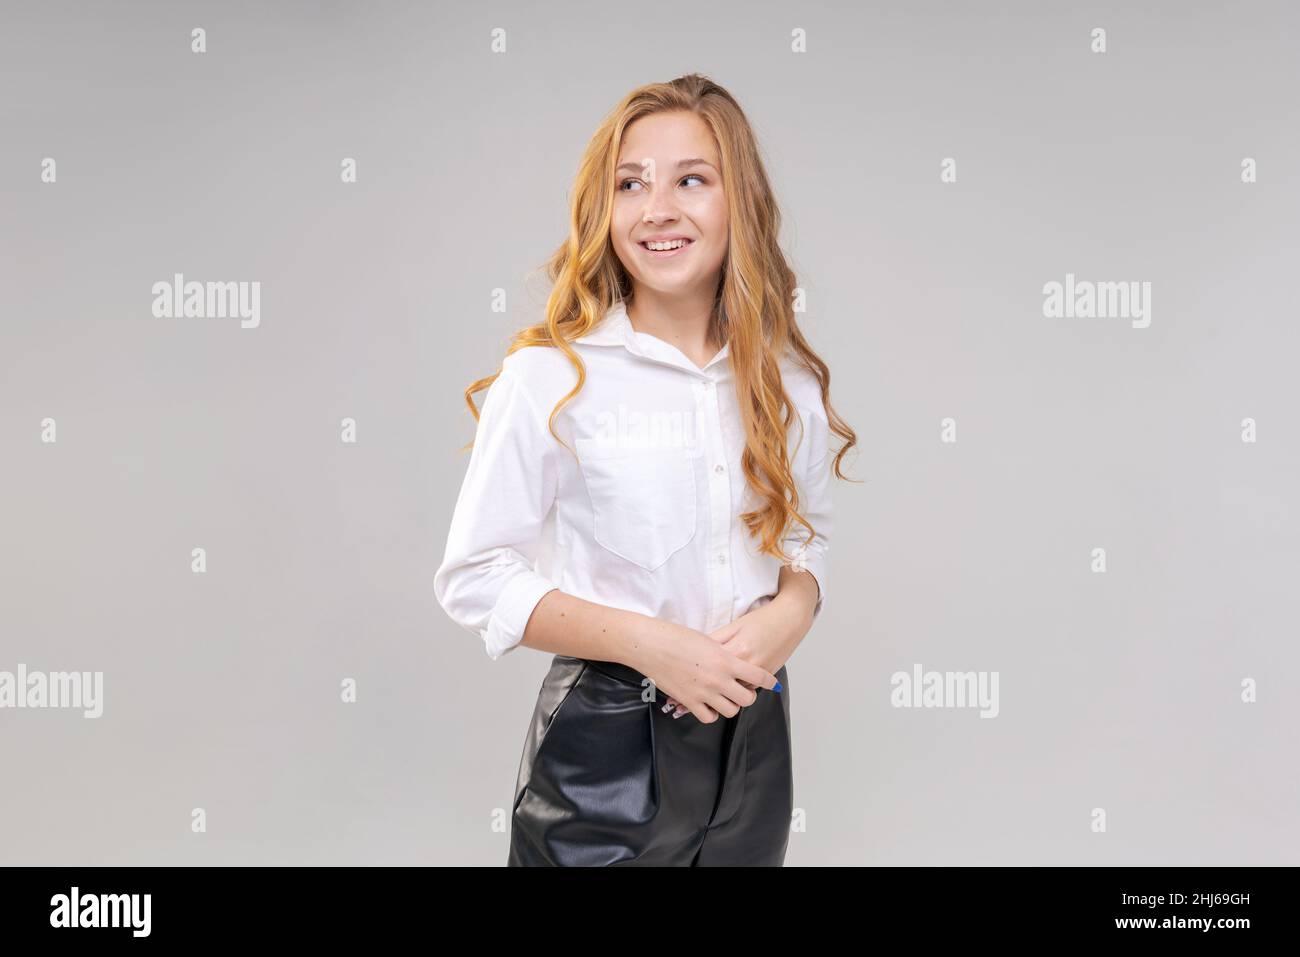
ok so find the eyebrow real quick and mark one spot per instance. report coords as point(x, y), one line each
point(682, 164)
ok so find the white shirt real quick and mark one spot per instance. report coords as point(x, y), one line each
point(648, 520)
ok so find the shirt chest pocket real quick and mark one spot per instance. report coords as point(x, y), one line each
point(642, 499)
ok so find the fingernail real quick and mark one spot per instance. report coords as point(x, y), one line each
point(667, 707)
point(679, 712)
point(777, 686)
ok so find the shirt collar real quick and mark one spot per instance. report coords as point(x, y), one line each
point(615, 329)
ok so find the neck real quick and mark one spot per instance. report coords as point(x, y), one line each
point(685, 321)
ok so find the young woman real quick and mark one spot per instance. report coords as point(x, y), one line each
point(648, 500)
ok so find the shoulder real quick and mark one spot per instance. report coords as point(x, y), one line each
point(543, 375)
point(539, 369)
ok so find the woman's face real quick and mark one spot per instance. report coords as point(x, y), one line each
point(668, 185)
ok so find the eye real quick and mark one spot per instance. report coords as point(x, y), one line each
point(623, 183)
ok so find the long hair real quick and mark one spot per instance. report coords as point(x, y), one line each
point(753, 310)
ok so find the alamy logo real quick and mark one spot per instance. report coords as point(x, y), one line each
point(646, 428)
point(946, 689)
point(102, 910)
point(58, 689)
point(1098, 300)
point(211, 300)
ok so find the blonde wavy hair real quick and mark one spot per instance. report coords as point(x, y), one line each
point(753, 310)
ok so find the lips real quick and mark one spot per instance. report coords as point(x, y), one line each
point(665, 253)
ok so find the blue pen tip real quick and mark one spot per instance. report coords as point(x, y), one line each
point(777, 686)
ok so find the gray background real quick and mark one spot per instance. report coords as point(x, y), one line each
point(1118, 691)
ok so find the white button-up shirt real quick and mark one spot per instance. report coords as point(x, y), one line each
point(647, 519)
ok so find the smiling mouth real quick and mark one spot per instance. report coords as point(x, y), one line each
point(675, 247)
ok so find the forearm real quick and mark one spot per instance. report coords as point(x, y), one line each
point(796, 596)
point(798, 587)
point(563, 624)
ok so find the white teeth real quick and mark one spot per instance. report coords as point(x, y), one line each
point(659, 247)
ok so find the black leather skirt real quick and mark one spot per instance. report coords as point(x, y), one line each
point(607, 778)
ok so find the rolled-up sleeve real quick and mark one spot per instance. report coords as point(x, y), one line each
point(812, 472)
point(487, 582)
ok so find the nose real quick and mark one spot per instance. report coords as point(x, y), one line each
point(660, 204)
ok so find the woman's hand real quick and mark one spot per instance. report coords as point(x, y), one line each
point(699, 673)
point(765, 636)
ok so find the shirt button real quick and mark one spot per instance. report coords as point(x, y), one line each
point(718, 469)
point(722, 559)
